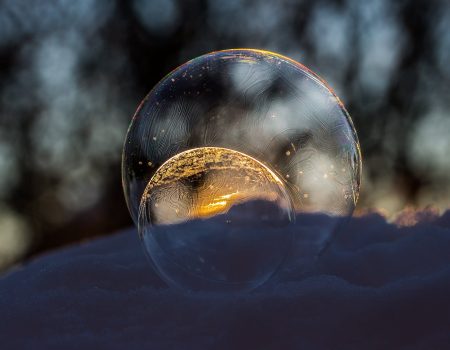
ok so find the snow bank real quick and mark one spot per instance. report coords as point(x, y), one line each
point(378, 286)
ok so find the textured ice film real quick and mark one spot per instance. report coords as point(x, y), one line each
point(233, 158)
point(207, 181)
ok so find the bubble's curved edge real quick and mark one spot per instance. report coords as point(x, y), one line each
point(261, 53)
point(314, 76)
point(124, 152)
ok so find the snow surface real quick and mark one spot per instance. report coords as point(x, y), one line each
point(377, 287)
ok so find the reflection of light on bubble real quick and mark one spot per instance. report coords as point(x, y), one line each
point(207, 181)
point(252, 140)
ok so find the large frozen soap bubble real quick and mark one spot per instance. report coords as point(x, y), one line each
point(234, 160)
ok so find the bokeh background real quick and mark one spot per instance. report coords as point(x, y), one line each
point(73, 72)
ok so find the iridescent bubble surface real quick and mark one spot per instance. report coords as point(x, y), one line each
point(232, 161)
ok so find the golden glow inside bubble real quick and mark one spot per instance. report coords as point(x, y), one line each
point(206, 181)
point(231, 157)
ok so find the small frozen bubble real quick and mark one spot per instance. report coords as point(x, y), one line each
point(193, 197)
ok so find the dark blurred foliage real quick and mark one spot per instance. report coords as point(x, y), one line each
point(73, 72)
